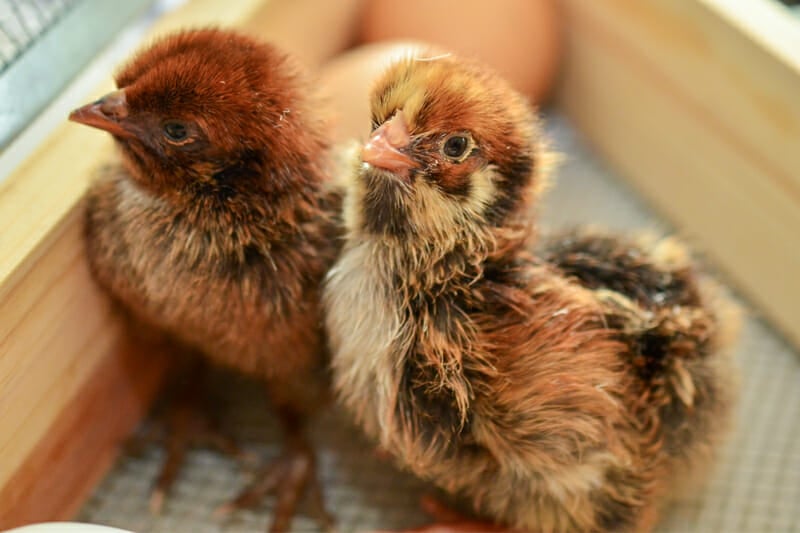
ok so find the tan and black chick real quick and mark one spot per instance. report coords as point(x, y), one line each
point(547, 394)
point(219, 223)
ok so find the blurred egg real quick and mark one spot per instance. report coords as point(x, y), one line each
point(348, 78)
point(521, 39)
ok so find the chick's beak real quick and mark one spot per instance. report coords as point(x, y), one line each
point(383, 149)
point(107, 113)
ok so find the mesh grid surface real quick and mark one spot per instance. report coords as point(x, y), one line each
point(755, 486)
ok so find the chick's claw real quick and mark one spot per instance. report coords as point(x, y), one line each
point(184, 427)
point(290, 477)
point(178, 443)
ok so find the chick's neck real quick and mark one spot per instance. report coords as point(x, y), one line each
point(460, 260)
point(266, 206)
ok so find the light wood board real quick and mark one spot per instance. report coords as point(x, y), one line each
point(704, 119)
point(71, 387)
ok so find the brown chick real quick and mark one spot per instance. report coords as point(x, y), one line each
point(219, 225)
point(545, 401)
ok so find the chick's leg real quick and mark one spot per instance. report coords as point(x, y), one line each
point(290, 476)
point(185, 423)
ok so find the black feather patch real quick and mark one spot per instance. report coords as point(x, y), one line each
point(517, 174)
point(384, 205)
point(614, 514)
point(432, 411)
point(606, 262)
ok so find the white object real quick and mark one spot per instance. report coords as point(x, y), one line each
point(66, 527)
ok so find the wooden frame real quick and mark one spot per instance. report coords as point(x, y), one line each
point(695, 102)
point(690, 100)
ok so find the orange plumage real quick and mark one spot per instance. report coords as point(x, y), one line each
point(564, 388)
point(220, 223)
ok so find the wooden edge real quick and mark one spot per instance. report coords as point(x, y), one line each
point(37, 196)
point(62, 470)
point(103, 388)
point(769, 24)
point(642, 119)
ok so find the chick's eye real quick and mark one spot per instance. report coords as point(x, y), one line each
point(456, 146)
point(176, 131)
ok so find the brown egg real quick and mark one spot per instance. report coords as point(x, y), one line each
point(347, 82)
point(521, 39)
point(312, 30)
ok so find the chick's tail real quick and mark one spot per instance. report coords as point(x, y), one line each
point(669, 344)
point(666, 311)
point(681, 357)
point(679, 327)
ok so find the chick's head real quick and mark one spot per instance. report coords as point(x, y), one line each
point(453, 148)
point(210, 110)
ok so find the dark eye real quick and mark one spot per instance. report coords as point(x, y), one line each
point(456, 146)
point(176, 131)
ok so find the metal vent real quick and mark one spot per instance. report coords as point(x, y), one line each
point(22, 22)
point(44, 44)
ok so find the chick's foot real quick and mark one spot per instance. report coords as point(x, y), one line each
point(289, 477)
point(187, 428)
point(450, 521)
point(186, 422)
point(454, 527)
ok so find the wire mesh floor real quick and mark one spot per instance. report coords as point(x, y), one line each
point(755, 488)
